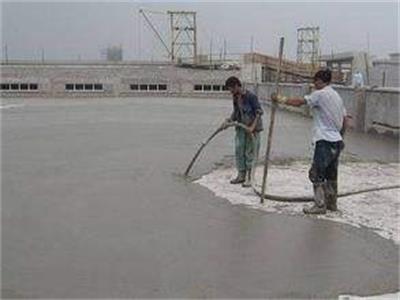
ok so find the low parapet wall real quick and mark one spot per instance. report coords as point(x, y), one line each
point(382, 111)
point(372, 110)
point(95, 79)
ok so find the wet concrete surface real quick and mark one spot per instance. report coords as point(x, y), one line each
point(93, 207)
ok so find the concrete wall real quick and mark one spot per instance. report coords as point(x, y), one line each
point(385, 74)
point(372, 110)
point(382, 111)
point(115, 78)
point(264, 91)
point(251, 72)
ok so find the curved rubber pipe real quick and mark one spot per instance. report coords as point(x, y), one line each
point(205, 143)
point(310, 199)
point(277, 197)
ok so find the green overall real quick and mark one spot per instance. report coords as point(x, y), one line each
point(246, 151)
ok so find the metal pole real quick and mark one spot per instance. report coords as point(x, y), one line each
point(139, 45)
point(171, 21)
point(194, 38)
point(366, 58)
point(224, 50)
point(211, 46)
point(6, 53)
point(271, 124)
point(253, 79)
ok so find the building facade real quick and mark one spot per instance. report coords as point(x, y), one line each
point(110, 79)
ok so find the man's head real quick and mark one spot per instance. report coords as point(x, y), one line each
point(234, 85)
point(322, 78)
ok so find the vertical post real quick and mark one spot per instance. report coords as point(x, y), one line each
point(6, 53)
point(224, 50)
point(253, 68)
point(171, 15)
point(271, 124)
point(383, 78)
point(366, 58)
point(195, 39)
point(211, 45)
point(139, 37)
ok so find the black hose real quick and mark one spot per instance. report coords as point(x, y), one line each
point(310, 199)
point(277, 197)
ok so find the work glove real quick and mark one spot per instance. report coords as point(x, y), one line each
point(278, 98)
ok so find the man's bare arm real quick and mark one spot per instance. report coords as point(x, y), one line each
point(292, 101)
point(254, 124)
point(295, 101)
point(346, 124)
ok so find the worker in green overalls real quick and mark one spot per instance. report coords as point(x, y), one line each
point(246, 110)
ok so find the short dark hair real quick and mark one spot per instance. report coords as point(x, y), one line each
point(325, 75)
point(232, 82)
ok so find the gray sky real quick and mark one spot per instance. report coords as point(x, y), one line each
point(66, 30)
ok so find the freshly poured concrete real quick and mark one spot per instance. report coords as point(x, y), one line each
point(93, 206)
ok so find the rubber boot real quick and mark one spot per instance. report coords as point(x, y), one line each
point(319, 206)
point(331, 195)
point(247, 182)
point(240, 178)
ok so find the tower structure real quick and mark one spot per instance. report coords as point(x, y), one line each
point(183, 36)
point(308, 45)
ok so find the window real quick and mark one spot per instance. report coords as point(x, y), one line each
point(209, 87)
point(33, 86)
point(216, 87)
point(80, 87)
point(98, 86)
point(148, 87)
point(19, 86)
point(5, 86)
point(224, 88)
point(263, 74)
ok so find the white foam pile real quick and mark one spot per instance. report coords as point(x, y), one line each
point(395, 296)
point(378, 210)
point(10, 106)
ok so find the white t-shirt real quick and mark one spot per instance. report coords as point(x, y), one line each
point(328, 114)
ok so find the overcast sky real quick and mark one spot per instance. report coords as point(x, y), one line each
point(72, 29)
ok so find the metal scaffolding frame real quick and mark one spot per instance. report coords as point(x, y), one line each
point(308, 50)
point(183, 35)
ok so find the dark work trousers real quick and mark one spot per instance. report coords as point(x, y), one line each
point(325, 161)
